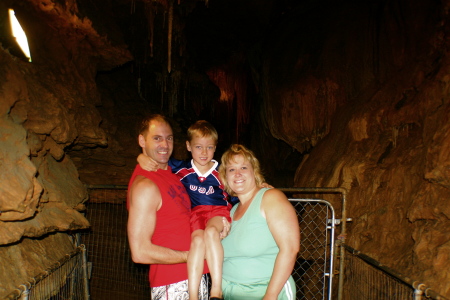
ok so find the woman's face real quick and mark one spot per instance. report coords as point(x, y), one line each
point(240, 175)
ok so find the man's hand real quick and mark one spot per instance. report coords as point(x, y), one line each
point(147, 163)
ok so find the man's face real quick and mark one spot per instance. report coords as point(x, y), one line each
point(158, 142)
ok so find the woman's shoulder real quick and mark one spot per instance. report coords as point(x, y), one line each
point(274, 192)
point(274, 196)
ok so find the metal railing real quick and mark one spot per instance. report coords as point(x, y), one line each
point(368, 279)
point(66, 279)
point(342, 221)
point(323, 253)
point(108, 250)
point(115, 276)
point(314, 268)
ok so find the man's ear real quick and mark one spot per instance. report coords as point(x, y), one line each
point(188, 146)
point(141, 139)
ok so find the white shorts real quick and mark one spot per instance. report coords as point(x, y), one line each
point(179, 290)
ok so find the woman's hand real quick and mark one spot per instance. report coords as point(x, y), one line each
point(270, 297)
point(147, 163)
point(226, 228)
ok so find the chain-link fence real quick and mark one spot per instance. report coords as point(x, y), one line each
point(66, 279)
point(367, 279)
point(115, 276)
point(314, 266)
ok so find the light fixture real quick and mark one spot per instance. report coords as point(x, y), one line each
point(19, 34)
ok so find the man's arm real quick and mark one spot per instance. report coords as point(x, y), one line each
point(144, 201)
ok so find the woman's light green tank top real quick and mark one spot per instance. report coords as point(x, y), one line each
point(249, 249)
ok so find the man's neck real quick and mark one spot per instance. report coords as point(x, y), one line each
point(163, 166)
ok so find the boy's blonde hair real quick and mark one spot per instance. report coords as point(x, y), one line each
point(202, 128)
point(249, 156)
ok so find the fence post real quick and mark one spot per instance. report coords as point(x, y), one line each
point(85, 272)
point(418, 290)
point(25, 293)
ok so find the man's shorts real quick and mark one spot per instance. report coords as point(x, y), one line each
point(256, 291)
point(201, 214)
point(179, 290)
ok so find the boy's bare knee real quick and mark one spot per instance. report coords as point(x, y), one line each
point(197, 241)
point(211, 233)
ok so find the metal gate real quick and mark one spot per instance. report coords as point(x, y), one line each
point(314, 267)
point(107, 214)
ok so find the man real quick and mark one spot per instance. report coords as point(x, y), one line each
point(158, 221)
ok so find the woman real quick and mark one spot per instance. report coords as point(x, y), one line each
point(262, 246)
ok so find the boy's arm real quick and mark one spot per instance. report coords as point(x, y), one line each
point(266, 185)
point(147, 163)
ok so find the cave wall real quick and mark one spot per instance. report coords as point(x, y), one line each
point(46, 107)
point(363, 91)
point(359, 90)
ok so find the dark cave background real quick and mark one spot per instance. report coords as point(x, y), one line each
point(351, 94)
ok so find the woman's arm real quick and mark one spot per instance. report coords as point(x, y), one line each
point(283, 224)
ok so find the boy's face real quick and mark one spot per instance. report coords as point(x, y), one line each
point(202, 149)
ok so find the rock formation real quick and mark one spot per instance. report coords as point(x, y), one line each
point(352, 95)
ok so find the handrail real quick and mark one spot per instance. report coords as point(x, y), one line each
point(24, 289)
point(416, 285)
point(106, 186)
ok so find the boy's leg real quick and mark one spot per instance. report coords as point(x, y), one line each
point(204, 287)
point(195, 263)
point(214, 254)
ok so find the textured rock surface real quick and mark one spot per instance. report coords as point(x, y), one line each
point(377, 122)
point(361, 90)
point(46, 107)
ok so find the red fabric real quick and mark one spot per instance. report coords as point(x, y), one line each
point(172, 225)
point(202, 213)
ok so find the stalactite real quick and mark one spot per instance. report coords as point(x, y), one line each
point(169, 37)
point(133, 7)
point(150, 13)
point(233, 85)
point(175, 88)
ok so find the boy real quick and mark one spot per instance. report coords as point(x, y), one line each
point(209, 203)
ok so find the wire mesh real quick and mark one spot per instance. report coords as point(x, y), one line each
point(114, 274)
point(65, 280)
point(314, 263)
point(365, 278)
point(364, 281)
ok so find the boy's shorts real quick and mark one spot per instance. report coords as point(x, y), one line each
point(201, 214)
point(256, 291)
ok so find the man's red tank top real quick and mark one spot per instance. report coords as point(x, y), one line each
point(172, 224)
